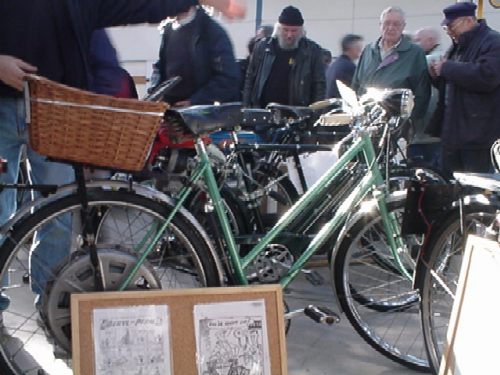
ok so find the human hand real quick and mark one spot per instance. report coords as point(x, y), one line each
point(232, 9)
point(436, 67)
point(13, 71)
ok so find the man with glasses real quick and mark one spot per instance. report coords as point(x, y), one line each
point(393, 61)
point(467, 117)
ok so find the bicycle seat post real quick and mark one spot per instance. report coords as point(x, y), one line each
point(88, 236)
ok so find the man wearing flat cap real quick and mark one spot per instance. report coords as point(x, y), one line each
point(467, 117)
point(286, 68)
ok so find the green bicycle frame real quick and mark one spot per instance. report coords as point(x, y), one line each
point(361, 147)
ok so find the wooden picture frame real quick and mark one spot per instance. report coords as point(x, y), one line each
point(181, 305)
point(473, 329)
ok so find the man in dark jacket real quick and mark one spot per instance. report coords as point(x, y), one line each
point(343, 67)
point(197, 49)
point(52, 38)
point(106, 74)
point(286, 68)
point(467, 117)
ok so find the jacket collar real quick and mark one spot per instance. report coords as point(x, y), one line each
point(197, 18)
point(466, 38)
point(404, 45)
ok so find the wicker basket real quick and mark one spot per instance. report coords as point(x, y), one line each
point(78, 126)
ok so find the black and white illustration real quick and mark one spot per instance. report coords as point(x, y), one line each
point(132, 340)
point(231, 338)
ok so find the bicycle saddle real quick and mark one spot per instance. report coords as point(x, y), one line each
point(205, 119)
point(290, 110)
point(488, 181)
point(255, 117)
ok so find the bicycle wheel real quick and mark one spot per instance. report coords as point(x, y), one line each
point(35, 339)
point(378, 301)
point(439, 273)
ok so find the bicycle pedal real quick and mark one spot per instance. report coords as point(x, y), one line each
point(321, 314)
point(314, 277)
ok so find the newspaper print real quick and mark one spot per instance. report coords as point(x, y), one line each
point(231, 338)
point(132, 340)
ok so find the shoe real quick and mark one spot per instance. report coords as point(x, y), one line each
point(4, 302)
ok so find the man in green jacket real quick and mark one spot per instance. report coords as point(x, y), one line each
point(393, 61)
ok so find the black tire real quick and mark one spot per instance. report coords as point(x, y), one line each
point(379, 302)
point(182, 258)
point(438, 272)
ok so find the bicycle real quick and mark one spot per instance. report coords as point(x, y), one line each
point(475, 211)
point(131, 237)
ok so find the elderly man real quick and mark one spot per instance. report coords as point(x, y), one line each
point(393, 61)
point(467, 117)
point(286, 68)
point(424, 149)
point(428, 38)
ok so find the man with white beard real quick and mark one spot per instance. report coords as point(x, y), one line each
point(286, 68)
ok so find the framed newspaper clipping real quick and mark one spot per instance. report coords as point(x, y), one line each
point(204, 331)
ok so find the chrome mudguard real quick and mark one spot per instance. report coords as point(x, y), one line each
point(138, 189)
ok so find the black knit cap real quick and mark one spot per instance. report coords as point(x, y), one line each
point(291, 16)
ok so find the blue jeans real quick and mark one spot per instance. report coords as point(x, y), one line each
point(52, 243)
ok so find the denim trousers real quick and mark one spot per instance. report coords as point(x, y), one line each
point(52, 243)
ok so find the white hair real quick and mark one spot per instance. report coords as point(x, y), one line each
point(392, 9)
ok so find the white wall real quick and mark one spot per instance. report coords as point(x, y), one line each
point(326, 21)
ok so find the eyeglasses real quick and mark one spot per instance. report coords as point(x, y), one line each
point(396, 24)
point(452, 26)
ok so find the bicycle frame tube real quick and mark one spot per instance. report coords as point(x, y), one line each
point(362, 146)
point(183, 194)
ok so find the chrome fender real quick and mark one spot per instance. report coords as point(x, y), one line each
point(111, 185)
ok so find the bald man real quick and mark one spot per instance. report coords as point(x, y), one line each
point(427, 38)
point(424, 149)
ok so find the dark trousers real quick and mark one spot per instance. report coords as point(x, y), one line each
point(424, 155)
point(466, 160)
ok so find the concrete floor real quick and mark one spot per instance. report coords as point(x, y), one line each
point(319, 349)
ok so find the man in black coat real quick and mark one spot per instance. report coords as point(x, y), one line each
point(286, 68)
point(197, 48)
point(467, 117)
point(52, 38)
point(343, 67)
